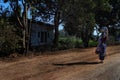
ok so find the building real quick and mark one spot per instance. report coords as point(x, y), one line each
point(41, 34)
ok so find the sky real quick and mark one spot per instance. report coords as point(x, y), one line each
point(1, 1)
point(3, 4)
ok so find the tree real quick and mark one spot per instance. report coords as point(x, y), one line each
point(21, 19)
point(81, 22)
point(109, 17)
point(9, 39)
point(114, 18)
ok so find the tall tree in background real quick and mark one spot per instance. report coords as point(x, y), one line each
point(81, 22)
point(102, 11)
point(115, 18)
point(109, 16)
point(21, 19)
point(84, 18)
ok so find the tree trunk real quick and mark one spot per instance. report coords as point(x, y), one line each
point(86, 43)
point(56, 25)
point(25, 31)
point(29, 34)
point(24, 45)
point(85, 38)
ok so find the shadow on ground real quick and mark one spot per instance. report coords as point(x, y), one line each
point(76, 63)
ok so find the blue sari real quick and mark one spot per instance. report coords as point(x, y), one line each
point(102, 46)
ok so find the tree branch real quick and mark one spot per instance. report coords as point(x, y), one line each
point(19, 22)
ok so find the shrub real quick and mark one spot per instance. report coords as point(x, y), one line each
point(73, 42)
point(69, 42)
point(78, 43)
point(92, 43)
point(9, 40)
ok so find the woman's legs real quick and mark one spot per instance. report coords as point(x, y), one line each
point(102, 53)
point(101, 57)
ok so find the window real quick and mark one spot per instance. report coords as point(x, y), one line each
point(43, 36)
point(45, 33)
point(38, 34)
point(48, 34)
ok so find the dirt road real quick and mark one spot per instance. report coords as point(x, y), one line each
point(75, 64)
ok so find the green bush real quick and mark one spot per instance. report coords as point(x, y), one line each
point(9, 40)
point(73, 42)
point(69, 42)
point(92, 43)
point(78, 43)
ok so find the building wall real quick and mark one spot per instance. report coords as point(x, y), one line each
point(40, 35)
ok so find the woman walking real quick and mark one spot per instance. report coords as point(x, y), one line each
point(101, 48)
